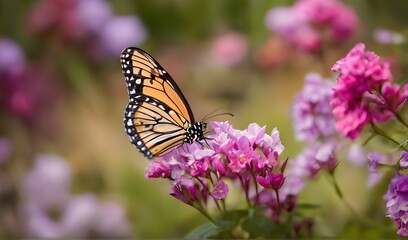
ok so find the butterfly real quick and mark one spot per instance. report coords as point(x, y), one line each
point(158, 117)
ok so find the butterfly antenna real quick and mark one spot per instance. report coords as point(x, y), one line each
point(207, 116)
point(216, 115)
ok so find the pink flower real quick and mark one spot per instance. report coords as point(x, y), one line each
point(242, 155)
point(271, 180)
point(302, 23)
point(229, 49)
point(356, 97)
point(158, 169)
point(220, 190)
point(340, 19)
point(188, 191)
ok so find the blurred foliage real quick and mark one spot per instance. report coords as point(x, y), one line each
point(88, 129)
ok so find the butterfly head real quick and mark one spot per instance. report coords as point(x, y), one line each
point(195, 132)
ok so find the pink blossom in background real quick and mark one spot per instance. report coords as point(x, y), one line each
point(229, 49)
point(59, 16)
point(357, 97)
point(90, 22)
point(339, 19)
point(305, 22)
point(293, 25)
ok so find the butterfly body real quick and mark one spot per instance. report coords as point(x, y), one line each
point(157, 117)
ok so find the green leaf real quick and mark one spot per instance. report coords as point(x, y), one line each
point(257, 225)
point(202, 231)
point(223, 226)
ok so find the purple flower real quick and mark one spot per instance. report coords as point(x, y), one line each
point(12, 60)
point(311, 111)
point(93, 14)
point(110, 221)
point(355, 98)
point(229, 49)
point(403, 163)
point(79, 215)
point(374, 178)
point(384, 36)
point(374, 159)
point(397, 202)
point(220, 190)
point(357, 155)
point(39, 224)
point(48, 184)
point(320, 155)
point(121, 32)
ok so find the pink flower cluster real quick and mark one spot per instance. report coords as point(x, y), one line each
point(87, 21)
point(249, 157)
point(304, 24)
point(364, 92)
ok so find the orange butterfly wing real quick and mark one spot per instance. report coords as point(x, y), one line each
point(158, 115)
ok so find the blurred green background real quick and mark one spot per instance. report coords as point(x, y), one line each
point(81, 96)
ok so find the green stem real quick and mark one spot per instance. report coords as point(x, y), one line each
point(204, 212)
point(256, 185)
point(380, 132)
point(278, 201)
point(341, 196)
point(245, 190)
point(400, 119)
